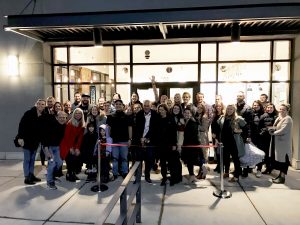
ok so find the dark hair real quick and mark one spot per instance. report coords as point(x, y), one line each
point(180, 114)
point(117, 94)
point(265, 96)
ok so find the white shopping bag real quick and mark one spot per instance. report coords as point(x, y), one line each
point(252, 157)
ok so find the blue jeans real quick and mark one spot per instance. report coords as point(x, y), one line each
point(53, 164)
point(28, 163)
point(122, 153)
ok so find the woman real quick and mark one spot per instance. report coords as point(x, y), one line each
point(283, 142)
point(71, 142)
point(230, 134)
point(167, 140)
point(95, 117)
point(257, 112)
point(190, 155)
point(68, 109)
point(203, 127)
point(176, 114)
point(218, 110)
point(177, 99)
point(186, 97)
point(134, 99)
point(267, 120)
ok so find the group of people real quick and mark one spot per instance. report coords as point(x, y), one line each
point(162, 133)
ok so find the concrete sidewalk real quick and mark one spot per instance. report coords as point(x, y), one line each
point(254, 201)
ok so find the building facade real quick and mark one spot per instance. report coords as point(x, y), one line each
point(186, 45)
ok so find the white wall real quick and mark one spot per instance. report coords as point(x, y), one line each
point(17, 94)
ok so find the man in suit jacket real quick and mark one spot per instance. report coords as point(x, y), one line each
point(146, 124)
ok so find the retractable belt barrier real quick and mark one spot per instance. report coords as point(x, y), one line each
point(185, 146)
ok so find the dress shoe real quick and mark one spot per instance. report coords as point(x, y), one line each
point(148, 180)
point(279, 180)
point(34, 178)
point(70, 177)
point(267, 171)
point(275, 178)
point(233, 179)
point(29, 181)
point(225, 175)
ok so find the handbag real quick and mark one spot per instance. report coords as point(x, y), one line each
point(16, 141)
point(252, 157)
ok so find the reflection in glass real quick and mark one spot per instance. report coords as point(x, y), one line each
point(123, 73)
point(244, 71)
point(165, 73)
point(280, 93)
point(61, 92)
point(60, 74)
point(60, 55)
point(244, 51)
point(91, 55)
point(281, 71)
point(252, 91)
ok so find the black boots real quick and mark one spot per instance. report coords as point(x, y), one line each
point(31, 179)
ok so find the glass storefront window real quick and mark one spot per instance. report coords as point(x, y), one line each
point(91, 74)
point(122, 54)
point(208, 52)
point(281, 71)
point(60, 74)
point(280, 93)
point(209, 91)
point(244, 71)
point(123, 73)
point(60, 55)
point(208, 72)
point(165, 53)
point(252, 91)
point(282, 49)
point(244, 51)
point(165, 73)
point(124, 90)
point(61, 92)
point(91, 55)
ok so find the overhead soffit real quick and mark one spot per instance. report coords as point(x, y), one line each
point(129, 26)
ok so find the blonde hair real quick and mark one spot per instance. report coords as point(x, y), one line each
point(75, 122)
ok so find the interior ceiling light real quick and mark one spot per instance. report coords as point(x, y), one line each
point(235, 32)
point(97, 36)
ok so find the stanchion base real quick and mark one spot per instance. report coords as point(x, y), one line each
point(95, 188)
point(222, 194)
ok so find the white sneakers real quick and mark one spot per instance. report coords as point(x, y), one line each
point(258, 174)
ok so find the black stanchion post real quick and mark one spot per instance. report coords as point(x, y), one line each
point(221, 193)
point(99, 187)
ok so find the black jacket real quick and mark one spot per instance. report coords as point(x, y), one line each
point(30, 128)
point(53, 131)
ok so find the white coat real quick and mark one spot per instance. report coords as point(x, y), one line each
point(283, 138)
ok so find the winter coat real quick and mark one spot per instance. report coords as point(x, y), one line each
point(283, 138)
point(237, 125)
point(72, 139)
point(30, 128)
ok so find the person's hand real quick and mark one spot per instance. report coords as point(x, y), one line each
point(248, 140)
point(21, 142)
point(72, 151)
point(77, 152)
point(152, 78)
point(271, 132)
point(47, 153)
point(107, 154)
point(213, 136)
point(129, 142)
point(174, 148)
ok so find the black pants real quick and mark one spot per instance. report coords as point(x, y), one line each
point(72, 162)
point(231, 150)
point(282, 166)
point(146, 154)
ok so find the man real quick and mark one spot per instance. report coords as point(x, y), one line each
point(200, 100)
point(85, 105)
point(101, 102)
point(264, 100)
point(53, 133)
point(29, 132)
point(120, 130)
point(77, 100)
point(50, 103)
point(146, 128)
point(245, 111)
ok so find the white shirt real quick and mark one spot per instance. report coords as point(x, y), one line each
point(147, 123)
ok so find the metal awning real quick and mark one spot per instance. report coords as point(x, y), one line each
point(118, 26)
